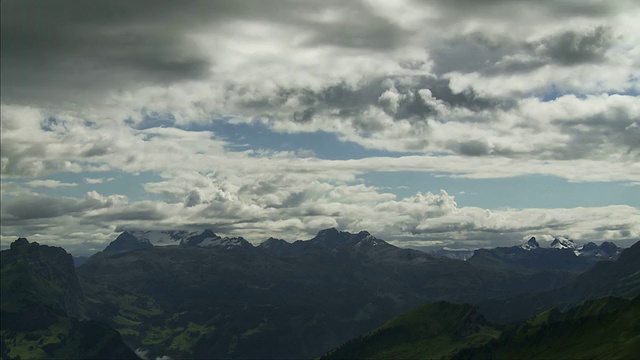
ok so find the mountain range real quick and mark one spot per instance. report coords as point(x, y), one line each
point(590, 251)
point(194, 294)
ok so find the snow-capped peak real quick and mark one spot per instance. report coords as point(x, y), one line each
point(531, 244)
point(209, 239)
point(225, 242)
point(165, 237)
point(564, 243)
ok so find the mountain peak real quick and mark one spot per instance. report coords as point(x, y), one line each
point(50, 270)
point(208, 233)
point(125, 242)
point(271, 242)
point(328, 232)
point(127, 236)
point(563, 243)
point(531, 244)
point(609, 247)
point(20, 242)
point(209, 239)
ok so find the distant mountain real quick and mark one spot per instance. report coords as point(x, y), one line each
point(79, 260)
point(607, 278)
point(208, 239)
point(606, 251)
point(42, 304)
point(458, 254)
point(274, 246)
point(530, 257)
point(590, 251)
point(198, 238)
point(126, 242)
point(563, 254)
point(602, 328)
point(133, 240)
point(563, 243)
point(280, 299)
point(532, 244)
point(164, 237)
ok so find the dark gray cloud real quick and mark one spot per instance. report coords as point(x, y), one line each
point(473, 148)
point(357, 28)
point(500, 54)
point(590, 137)
point(572, 47)
point(351, 103)
point(470, 52)
point(517, 8)
point(75, 50)
point(41, 207)
point(139, 212)
point(194, 198)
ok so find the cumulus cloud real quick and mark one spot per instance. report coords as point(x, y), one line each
point(571, 47)
point(296, 209)
point(473, 89)
point(383, 74)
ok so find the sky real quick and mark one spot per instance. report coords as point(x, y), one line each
point(453, 123)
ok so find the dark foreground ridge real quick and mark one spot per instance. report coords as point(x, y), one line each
point(597, 329)
point(43, 309)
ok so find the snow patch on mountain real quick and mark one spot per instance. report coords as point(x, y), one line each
point(531, 244)
point(226, 242)
point(165, 237)
point(369, 240)
point(564, 243)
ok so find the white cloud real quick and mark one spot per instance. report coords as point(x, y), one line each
point(50, 184)
point(457, 84)
point(293, 208)
point(93, 181)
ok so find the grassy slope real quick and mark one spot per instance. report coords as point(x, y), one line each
point(432, 331)
point(607, 328)
point(39, 290)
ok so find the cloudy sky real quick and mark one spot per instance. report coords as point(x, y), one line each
point(459, 123)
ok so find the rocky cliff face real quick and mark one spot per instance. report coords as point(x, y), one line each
point(43, 309)
point(38, 273)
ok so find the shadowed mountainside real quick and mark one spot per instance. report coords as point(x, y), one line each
point(280, 299)
point(41, 305)
point(607, 278)
point(597, 329)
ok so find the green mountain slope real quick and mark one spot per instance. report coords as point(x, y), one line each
point(432, 331)
point(39, 275)
point(607, 328)
point(41, 306)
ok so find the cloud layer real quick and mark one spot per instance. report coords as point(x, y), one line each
point(469, 89)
